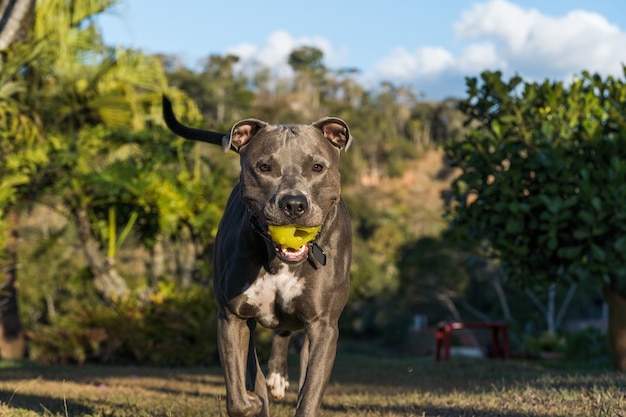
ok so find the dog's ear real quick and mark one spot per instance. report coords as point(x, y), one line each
point(336, 131)
point(241, 133)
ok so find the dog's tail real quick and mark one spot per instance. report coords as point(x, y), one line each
point(186, 132)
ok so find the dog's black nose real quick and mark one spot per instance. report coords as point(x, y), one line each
point(293, 206)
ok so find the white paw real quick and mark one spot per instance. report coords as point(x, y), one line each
point(277, 384)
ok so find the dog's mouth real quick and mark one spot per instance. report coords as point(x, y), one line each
point(291, 241)
point(290, 255)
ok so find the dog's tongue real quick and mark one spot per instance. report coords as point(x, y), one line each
point(293, 255)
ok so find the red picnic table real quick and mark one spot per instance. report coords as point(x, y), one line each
point(499, 343)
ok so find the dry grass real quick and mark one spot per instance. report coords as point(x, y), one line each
point(361, 386)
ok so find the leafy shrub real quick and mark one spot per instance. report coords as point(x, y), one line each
point(544, 342)
point(586, 344)
point(171, 326)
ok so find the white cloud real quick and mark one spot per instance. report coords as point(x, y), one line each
point(475, 57)
point(423, 62)
point(545, 46)
point(492, 34)
point(274, 52)
point(497, 19)
point(500, 35)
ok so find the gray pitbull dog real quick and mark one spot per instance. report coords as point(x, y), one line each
point(289, 176)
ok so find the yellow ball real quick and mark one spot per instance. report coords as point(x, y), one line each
point(292, 236)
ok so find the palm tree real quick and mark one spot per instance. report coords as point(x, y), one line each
point(64, 79)
point(85, 91)
point(20, 157)
point(16, 18)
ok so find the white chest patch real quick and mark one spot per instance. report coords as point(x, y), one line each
point(272, 291)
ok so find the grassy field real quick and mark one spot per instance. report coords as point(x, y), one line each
point(361, 386)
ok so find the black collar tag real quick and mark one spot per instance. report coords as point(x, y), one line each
point(318, 254)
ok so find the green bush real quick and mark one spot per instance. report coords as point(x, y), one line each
point(544, 342)
point(586, 344)
point(171, 326)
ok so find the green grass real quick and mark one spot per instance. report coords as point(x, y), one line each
point(361, 386)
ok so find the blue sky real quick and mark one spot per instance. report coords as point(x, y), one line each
point(430, 45)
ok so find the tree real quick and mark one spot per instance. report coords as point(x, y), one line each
point(543, 182)
point(307, 63)
point(21, 156)
point(430, 271)
point(16, 21)
point(91, 100)
point(221, 93)
point(79, 87)
point(306, 58)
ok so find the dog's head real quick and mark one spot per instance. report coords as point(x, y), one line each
point(289, 173)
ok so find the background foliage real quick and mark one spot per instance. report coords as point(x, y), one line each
point(543, 182)
point(117, 217)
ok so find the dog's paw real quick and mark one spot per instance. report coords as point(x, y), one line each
point(252, 407)
point(277, 384)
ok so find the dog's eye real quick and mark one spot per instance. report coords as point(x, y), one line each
point(264, 167)
point(318, 167)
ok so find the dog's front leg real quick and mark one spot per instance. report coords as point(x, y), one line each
point(278, 375)
point(318, 357)
point(233, 345)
